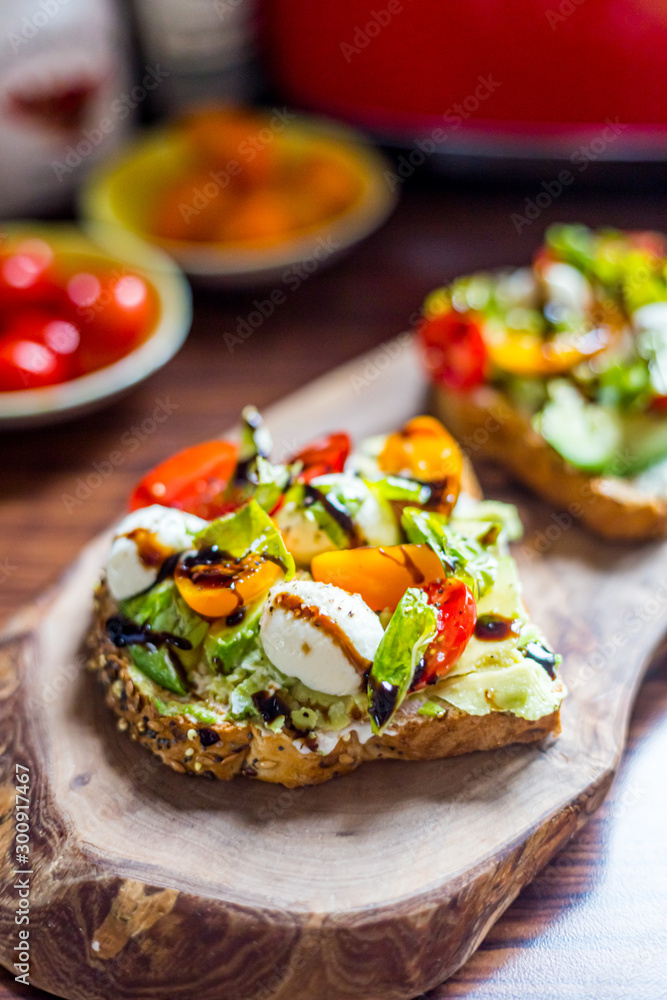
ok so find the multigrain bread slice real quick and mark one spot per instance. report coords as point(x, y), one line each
point(229, 748)
point(247, 748)
point(489, 426)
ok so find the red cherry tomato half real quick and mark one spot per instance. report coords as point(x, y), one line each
point(454, 349)
point(456, 613)
point(27, 364)
point(192, 480)
point(113, 312)
point(658, 404)
point(327, 454)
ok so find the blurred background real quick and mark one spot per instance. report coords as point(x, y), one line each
point(216, 201)
point(281, 182)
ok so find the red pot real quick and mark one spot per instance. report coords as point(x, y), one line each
point(501, 76)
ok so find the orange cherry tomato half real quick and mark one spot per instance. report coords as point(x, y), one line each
point(192, 480)
point(380, 575)
point(323, 456)
point(454, 350)
point(426, 451)
point(456, 614)
point(217, 586)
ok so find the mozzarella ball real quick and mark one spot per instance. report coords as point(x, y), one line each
point(306, 644)
point(170, 529)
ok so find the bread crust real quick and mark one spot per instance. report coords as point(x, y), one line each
point(488, 425)
point(229, 748)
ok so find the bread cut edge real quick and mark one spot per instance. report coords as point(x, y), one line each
point(489, 426)
point(224, 750)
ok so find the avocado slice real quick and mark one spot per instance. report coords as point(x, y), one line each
point(226, 646)
point(163, 608)
point(598, 439)
point(587, 435)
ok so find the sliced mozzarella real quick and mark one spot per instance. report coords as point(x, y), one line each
point(171, 529)
point(652, 316)
point(374, 519)
point(364, 460)
point(326, 648)
point(567, 286)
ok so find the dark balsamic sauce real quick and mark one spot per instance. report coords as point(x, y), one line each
point(546, 659)
point(236, 617)
point(440, 493)
point(337, 513)
point(207, 737)
point(382, 701)
point(495, 628)
point(270, 706)
point(407, 562)
point(124, 632)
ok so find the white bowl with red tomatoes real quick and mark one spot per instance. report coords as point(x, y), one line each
point(84, 317)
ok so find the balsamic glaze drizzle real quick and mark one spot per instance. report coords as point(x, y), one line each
point(543, 656)
point(312, 495)
point(270, 706)
point(124, 632)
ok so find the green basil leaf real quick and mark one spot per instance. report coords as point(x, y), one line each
point(247, 530)
point(412, 627)
point(158, 665)
point(400, 488)
point(463, 557)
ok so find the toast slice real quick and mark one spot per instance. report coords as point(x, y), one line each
point(558, 372)
point(225, 749)
point(215, 694)
point(491, 427)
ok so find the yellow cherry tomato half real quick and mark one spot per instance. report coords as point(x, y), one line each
point(523, 353)
point(423, 449)
point(215, 585)
point(380, 575)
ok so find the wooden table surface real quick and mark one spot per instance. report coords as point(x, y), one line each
point(594, 923)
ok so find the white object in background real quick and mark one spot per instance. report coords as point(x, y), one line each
point(207, 45)
point(65, 97)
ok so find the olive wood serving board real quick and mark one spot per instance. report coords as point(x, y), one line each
point(147, 884)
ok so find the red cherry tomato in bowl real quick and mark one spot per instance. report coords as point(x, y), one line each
point(114, 312)
point(323, 456)
point(27, 364)
point(46, 327)
point(454, 350)
point(26, 277)
point(192, 480)
point(456, 613)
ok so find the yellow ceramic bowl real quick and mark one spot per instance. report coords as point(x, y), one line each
point(124, 193)
point(54, 403)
